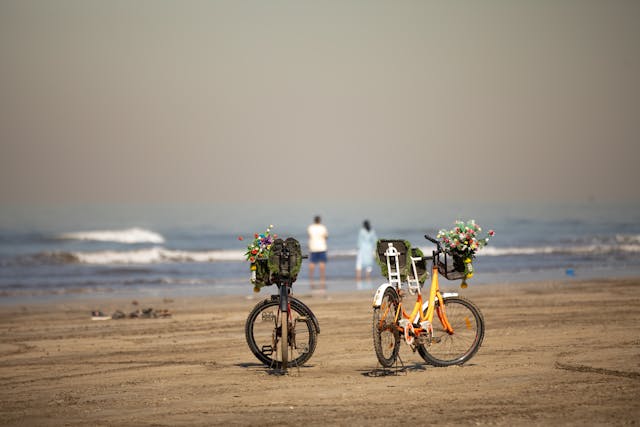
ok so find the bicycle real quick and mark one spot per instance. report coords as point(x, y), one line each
point(458, 332)
point(281, 330)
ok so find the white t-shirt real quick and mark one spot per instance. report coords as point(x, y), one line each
point(317, 237)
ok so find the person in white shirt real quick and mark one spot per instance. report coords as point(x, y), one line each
point(318, 235)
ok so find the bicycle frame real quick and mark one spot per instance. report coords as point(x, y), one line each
point(423, 311)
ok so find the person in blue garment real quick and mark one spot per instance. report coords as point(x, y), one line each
point(367, 239)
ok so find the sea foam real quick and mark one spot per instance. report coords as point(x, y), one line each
point(155, 255)
point(129, 235)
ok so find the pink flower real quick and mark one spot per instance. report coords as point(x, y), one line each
point(491, 233)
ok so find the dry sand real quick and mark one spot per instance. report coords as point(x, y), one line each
point(565, 353)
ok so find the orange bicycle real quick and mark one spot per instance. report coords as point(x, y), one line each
point(456, 334)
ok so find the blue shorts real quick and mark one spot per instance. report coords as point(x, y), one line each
point(316, 257)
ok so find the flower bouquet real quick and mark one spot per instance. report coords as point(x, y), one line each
point(462, 242)
point(258, 255)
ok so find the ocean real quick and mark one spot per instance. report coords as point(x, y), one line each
point(167, 251)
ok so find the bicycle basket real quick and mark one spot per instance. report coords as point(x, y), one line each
point(403, 247)
point(280, 267)
point(451, 266)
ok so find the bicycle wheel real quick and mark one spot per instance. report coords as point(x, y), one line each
point(386, 337)
point(445, 349)
point(263, 333)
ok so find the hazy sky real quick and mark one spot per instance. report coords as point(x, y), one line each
point(198, 101)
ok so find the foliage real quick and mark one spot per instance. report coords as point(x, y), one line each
point(261, 245)
point(464, 239)
point(258, 254)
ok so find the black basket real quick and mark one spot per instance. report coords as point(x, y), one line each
point(403, 247)
point(421, 265)
point(400, 245)
point(281, 268)
point(451, 266)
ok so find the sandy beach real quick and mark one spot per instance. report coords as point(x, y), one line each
point(554, 353)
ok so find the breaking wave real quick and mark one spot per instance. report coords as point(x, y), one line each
point(154, 255)
point(159, 255)
point(129, 235)
point(567, 250)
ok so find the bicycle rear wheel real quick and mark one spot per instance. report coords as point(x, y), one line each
point(446, 349)
point(386, 337)
point(263, 331)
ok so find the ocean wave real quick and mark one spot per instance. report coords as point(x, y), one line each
point(567, 250)
point(129, 235)
point(628, 239)
point(155, 255)
point(590, 249)
point(159, 255)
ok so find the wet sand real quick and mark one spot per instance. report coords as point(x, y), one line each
point(554, 353)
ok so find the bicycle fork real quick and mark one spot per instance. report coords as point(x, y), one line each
point(284, 298)
point(285, 307)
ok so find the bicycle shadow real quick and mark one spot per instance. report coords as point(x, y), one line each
point(401, 369)
point(249, 365)
point(404, 369)
point(259, 367)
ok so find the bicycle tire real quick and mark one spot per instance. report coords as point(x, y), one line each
point(386, 336)
point(447, 349)
point(263, 335)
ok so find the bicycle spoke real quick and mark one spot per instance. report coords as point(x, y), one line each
point(386, 339)
point(461, 343)
point(264, 334)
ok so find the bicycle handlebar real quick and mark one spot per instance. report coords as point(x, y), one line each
point(431, 239)
point(437, 243)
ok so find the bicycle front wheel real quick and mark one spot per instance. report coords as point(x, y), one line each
point(386, 337)
point(263, 331)
point(454, 348)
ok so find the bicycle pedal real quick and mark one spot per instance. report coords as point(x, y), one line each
point(267, 350)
